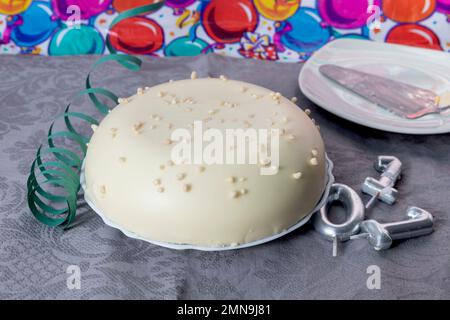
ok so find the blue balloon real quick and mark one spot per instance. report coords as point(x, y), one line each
point(37, 25)
point(184, 46)
point(364, 35)
point(76, 40)
point(353, 36)
point(303, 32)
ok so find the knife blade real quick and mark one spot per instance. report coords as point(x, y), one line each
point(400, 98)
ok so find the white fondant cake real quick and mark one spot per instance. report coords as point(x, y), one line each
point(132, 177)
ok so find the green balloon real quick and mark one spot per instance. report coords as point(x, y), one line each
point(80, 39)
point(184, 46)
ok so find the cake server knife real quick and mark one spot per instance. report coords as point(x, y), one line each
point(400, 98)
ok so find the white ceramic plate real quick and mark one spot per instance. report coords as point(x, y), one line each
point(428, 69)
point(330, 181)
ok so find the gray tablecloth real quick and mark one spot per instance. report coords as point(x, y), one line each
point(34, 258)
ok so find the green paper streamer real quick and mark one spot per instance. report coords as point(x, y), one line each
point(54, 183)
point(61, 173)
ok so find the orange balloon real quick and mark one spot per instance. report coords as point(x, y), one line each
point(13, 6)
point(408, 10)
point(277, 10)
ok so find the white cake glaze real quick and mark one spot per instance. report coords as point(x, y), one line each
point(130, 177)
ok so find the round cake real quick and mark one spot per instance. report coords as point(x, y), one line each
point(208, 162)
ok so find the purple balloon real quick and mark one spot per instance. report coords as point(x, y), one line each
point(443, 6)
point(87, 8)
point(346, 14)
point(179, 3)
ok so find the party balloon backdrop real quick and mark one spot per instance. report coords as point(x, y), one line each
point(277, 30)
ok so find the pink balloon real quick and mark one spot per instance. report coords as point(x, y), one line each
point(86, 8)
point(347, 14)
point(443, 6)
point(179, 3)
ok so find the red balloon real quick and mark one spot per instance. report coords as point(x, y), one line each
point(124, 5)
point(414, 35)
point(136, 35)
point(227, 21)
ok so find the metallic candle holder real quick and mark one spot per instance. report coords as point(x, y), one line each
point(419, 222)
point(383, 189)
point(343, 231)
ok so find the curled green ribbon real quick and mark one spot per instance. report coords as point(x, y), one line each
point(54, 180)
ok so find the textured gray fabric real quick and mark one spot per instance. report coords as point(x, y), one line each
point(34, 258)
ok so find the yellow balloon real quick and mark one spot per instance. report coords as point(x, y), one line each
point(277, 10)
point(13, 6)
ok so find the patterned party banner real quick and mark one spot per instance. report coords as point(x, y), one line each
point(281, 30)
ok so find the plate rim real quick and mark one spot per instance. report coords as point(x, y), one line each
point(304, 220)
point(378, 125)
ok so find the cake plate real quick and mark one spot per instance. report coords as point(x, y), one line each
point(425, 68)
point(320, 204)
